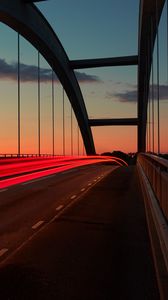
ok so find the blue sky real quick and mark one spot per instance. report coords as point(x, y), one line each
point(86, 29)
point(94, 28)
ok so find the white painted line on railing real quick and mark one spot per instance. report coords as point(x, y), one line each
point(73, 197)
point(38, 224)
point(4, 190)
point(3, 251)
point(59, 207)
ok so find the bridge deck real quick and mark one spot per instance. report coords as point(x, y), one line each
point(97, 249)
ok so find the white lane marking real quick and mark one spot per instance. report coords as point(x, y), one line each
point(95, 180)
point(35, 226)
point(73, 197)
point(4, 190)
point(3, 251)
point(82, 190)
point(59, 207)
point(89, 184)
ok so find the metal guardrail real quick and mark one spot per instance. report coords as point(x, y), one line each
point(8, 155)
point(156, 170)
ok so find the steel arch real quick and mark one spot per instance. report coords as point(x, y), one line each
point(146, 46)
point(27, 20)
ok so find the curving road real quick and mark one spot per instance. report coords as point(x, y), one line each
point(26, 207)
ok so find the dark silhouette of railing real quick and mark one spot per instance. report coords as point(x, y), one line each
point(156, 170)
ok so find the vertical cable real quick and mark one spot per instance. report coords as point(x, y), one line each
point(63, 121)
point(153, 108)
point(78, 138)
point(83, 149)
point(149, 95)
point(153, 112)
point(53, 115)
point(147, 139)
point(149, 121)
point(167, 40)
point(71, 130)
point(167, 45)
point(18, 94)
point(158, 90)
point(39, 116)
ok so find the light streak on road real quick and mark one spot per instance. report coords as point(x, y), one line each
point(17, 171)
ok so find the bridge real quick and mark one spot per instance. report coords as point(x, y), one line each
point(77, 223)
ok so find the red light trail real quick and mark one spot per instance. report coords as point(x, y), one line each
point(19, 170)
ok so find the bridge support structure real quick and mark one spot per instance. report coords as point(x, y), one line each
point(27, 20)
point(150, 13)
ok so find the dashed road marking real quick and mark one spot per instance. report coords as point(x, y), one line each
point(59, 207)
point(3, 251)
point(73, 197)
point(89, 184)
point(38, 224)
point(4, 190)
point(82, 190)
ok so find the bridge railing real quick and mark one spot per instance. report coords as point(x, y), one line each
point(156, 170)
point(13, 155)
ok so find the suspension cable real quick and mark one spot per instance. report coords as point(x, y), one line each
point(63, 121)
point(167, 41)
point(78, 138)
point(158, 90)
point(149, 96)
point(53, 115)
point(71, 130)
point(39, 114)
point(153, 108)
point(19, 95)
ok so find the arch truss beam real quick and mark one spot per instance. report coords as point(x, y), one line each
point(104, 62)
point(114, 122)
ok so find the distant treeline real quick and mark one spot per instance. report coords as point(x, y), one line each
point(130, 158)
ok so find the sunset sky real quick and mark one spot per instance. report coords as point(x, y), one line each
point(86, 29)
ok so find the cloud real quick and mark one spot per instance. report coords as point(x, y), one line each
point(163, 92)
point(127, 96)
point(83, 77)
point(29, 73)
point(131, 96)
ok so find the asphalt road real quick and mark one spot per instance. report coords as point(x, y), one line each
point(98, 248)
point(26, 207)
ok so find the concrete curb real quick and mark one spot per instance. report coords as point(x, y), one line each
point(158, 231)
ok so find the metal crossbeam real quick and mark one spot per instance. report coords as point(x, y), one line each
point(114, 122)
point(104, 62)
